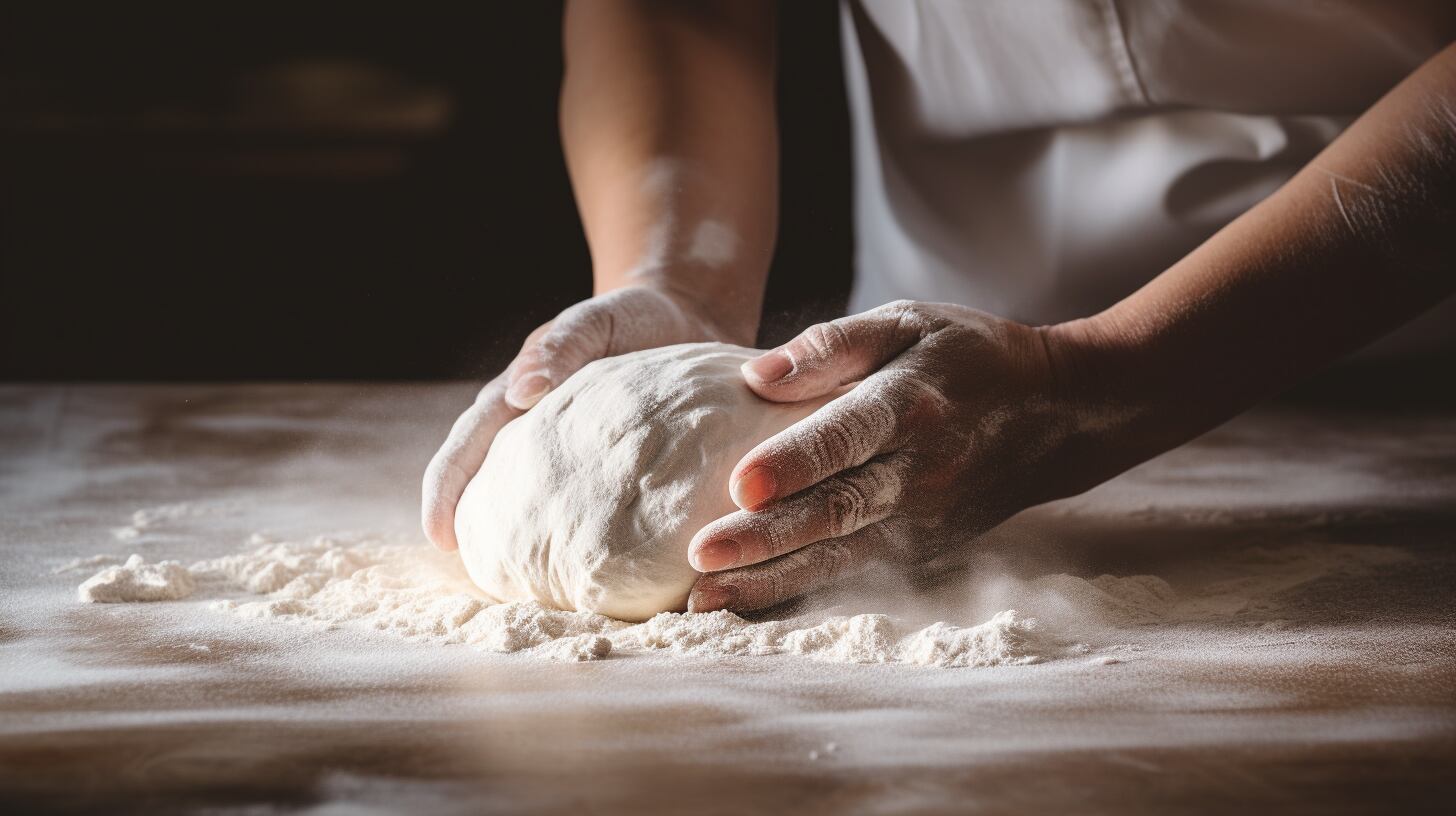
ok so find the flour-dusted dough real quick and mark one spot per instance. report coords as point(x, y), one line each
point(588, 501)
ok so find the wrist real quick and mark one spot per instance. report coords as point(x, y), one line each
point(1089, 360)
point(1108, 418)
point(714, 316)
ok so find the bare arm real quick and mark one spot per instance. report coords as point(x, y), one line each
point(667, 116)
point(1360, 241)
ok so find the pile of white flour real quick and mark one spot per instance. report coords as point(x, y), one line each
point(418, 593)
point(413, 591)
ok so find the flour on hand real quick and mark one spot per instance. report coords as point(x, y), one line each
point(589, 500)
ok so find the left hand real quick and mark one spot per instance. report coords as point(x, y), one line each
point(628, 319)
point(954, 420)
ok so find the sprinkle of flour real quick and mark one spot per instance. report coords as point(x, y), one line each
point(137, 580)
point(89, 562)
point(147, 519)
point(417, 593)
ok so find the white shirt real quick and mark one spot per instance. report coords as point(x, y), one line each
point(1042, 159)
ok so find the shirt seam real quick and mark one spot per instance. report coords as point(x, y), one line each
point(1127, 71)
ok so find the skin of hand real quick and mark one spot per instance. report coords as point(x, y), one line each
point(677, 190)
point(620, 321)
point(960, 419)
point(951, 413)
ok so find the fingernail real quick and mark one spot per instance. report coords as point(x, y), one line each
point(717, 555)
point(754, 487)
point(528, 391)
point(711, 599)
point(769, 368)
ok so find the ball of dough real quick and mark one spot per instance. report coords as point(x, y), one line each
point(588, 501)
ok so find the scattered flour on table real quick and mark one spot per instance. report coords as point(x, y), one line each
point(89, 562)
point(418, 593)
point(149, 518)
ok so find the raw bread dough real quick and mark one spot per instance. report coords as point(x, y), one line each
point(588, 501)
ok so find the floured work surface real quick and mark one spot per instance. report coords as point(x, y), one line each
point(1264, 617)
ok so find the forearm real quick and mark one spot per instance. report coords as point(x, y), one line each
point(1360, 241)
point(667, 119)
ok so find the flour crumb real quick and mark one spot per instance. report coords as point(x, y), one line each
point(137, 580)
point(716, 634)
point(1007, 639)
point(856, 639)
point(578, 648)
point(521, 625)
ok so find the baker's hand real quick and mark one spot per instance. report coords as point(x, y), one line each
point(955, 414)
point(628, 319)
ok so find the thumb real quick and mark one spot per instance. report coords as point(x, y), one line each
point(457, 461)
point(826, 356)
point(556, 351)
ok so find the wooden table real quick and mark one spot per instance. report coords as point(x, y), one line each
point(1348, 705)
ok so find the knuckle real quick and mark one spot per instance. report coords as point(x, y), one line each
point(586, 317)
point(845, 505)
point(908, 312)
point(533, 357)
point(581, 310)
point(915, 318)
point(881, 481)
point(847, 438)
point(772, 537)
point(899, 307)
point(880, 415)
point(559, 355)
point(524, 360)
point(913, 394)
point(826, 340)
point(553, 342)
point(832, 443)
point(488, 393)
point(867, 421)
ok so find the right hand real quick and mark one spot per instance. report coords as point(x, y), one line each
point(620, 321)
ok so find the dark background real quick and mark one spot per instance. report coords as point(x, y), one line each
point(323, 192)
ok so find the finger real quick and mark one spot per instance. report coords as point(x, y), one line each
point(557, 350)
point(801, 571)
point(845, 433)
point(834, 508)
point(828, 355)
point(458, 460)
